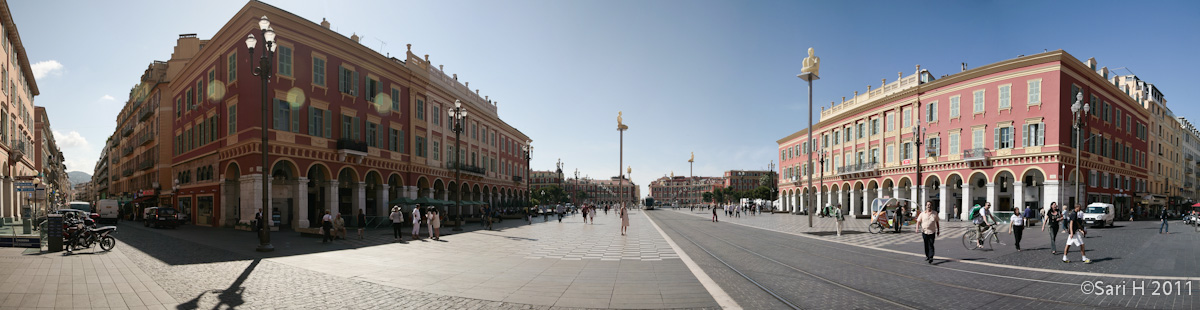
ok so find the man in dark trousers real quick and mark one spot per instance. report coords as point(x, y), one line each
point(900, 217)
point(1162, 216)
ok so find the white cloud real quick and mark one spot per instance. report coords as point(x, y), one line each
point(81, 165)
point(107, 98)
point(70, 140)
point(45, 68)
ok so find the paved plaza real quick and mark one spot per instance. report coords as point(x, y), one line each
point(1131, 248)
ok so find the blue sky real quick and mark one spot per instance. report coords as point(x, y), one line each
point(712, 77)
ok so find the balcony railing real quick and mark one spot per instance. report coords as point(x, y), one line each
point(145, 114)
point(127, 172)
point(127, 131)
point(858, 168)
point(517, 178)
point(466, 167)
point(979, 154)
point(1187, 157)
point(145, 137)
point(146, 165)
point(1187, 170)
point(351, 145)
point(128, 150)
point(114, 178)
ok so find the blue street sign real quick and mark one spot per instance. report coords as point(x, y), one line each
point(26, 189)
point(24, 183)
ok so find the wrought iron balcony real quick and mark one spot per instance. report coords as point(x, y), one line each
point(858, 168)
point(466, 167)
point(1187, 170)
point(127, 172)
point(144, 165)
point(127, 131)
point(978, 154)
point(145, 114)
point(351, 145)
point(1188, 157)
point(517, 178)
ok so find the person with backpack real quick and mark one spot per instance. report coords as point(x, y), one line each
point(983, 219)
point(838, 218)
point(1075, 234)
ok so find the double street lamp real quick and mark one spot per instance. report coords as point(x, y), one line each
point(458, 114)
point(1078, 122)
point(263, 71)
point(528, 148)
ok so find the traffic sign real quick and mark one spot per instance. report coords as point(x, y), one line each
point(25, 184)
point(26, 189)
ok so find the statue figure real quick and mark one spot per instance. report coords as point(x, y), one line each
point(619, 119)
point(812, 63)
point(693, 157)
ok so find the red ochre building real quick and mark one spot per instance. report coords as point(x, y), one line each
point(350, 129)
point(1000, 133)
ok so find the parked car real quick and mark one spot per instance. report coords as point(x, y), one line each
point(1099, 214)
point(161, 217)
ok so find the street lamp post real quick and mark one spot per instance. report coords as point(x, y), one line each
point(528, 170)
point(458, 113)
point(263, 71)
point(809, 74)
point(822, 161)
point(1078, 122)
point(920, 137)
point(621, 157)
point(575, 190)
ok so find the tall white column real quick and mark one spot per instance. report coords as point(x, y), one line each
point(360, 198)
point(991, 195)
point(943, 195)
point(1051, 194)
point(855, 201)
point(895, 192)
point(966, 201)
point(331, 205)
point(302, 202)
point(916, 198)
point(865, 208)
point(1018, 197)
point(820, 201)
point(251, 196)
point(382, 199)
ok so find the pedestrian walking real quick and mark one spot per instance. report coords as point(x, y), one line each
point(560, 210)
point(1016, 225)
point(1053, 216)
point(362, 222)
point(397, 220)
point(838, 219)
point(1162, 216)
point(327, 226)
point(592, 216)
point(900, 212)
point(1075, 236)
point(416, 221)
point(930, 228)
point(1131, 214)
point(714, 211)
point(257, 220)
point(624, 219)
point(435, 223)
point(585, 214)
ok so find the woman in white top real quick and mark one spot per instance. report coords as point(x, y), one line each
point(1016, 225)
point(416, 221)
point(624, 219)
point(435, 223)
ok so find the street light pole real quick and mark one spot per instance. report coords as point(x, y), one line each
point(1078, 122)
point(810, 77)
point(458, 113)
point(621, 157)
point(263, 71)
point(528, 171)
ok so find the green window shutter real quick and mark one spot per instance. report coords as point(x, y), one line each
point(354, 130)
point(400, 136)
point(341, 78)
point(328, 124)
point(274, 118)
point(295, 119)
point(312, 120)
point(354, 84)
point(1025, 135)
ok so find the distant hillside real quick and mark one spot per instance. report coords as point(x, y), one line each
point(79, 177)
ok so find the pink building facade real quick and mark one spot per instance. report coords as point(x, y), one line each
point(1001, 133)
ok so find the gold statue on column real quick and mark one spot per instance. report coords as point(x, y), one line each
point(812, 63)
point(620, 125)
point(693, 157)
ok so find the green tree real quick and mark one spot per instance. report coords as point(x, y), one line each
point(707, 197)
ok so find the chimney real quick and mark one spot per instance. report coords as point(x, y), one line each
point(354, 37)
point(324, 23)
point(440, 68)
point(964, 66)
point(456, 76)
point(426, 58)
point(409, 48)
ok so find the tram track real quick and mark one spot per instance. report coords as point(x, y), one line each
point(889, 273)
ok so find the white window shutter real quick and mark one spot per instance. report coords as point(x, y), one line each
point(1041, 134)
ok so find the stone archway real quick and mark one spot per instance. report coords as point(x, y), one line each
point(976, 191)
point(872, 194)
point(285, 178)
point(953, 198)
point(231, 195)
point(376, 196)
point(931, 192)
point(350, 193)
point(1002, 191)
point(1032, 193)
point(319, 196)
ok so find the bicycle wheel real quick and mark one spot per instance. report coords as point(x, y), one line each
point(875, 228)
point(107, 243)
point(987, 240)
point(969, 239)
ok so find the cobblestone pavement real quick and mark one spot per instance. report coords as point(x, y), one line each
point(1131, 248)
point(816, 273)
point(520, 266)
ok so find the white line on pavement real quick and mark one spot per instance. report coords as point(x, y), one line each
point(715, 290)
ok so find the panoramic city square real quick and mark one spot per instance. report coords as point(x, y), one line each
point(317, 154)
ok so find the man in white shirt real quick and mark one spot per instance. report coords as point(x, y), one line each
point(327, 225)
point(416, 220)
point(397, 219)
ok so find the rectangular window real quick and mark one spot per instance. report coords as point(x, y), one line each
point(954, 106)
point(1117, 117)
point(372, 89)
point(931, 112)
point(283, 113)
point(1035, 92)
point(1095, 106)
point(212, 77)
point(436, 120)
point(372, 138)
point(837, 137)
point(1105, 113)
point(907, 152)
point(874, 127)
point(437, 151)
point(190, 103)
point(891, 153)
point(232, 67)
point(874, 155)
point(396, 100)
point(1033, 135)
point(891, 122)
point(318, 71)
point(954, 143)
point(316, 119)
point(906, 118)
point(285, 60)
point(979, 101)
point(420, 145)
point(199, 92)
point(356, 128)
point(933, 147)
point(849, 133)
point(977, 138)
point(1004, 138)
point(420, 109)
point(178, 108)
point(1004, 96)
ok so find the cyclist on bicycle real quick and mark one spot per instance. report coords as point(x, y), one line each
point(983, 222)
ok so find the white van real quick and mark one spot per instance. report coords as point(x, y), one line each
point(1099, 214)
point(108, 209)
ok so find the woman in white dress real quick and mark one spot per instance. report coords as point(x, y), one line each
point(624, 219)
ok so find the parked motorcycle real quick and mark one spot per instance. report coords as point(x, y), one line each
point(87, 234)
